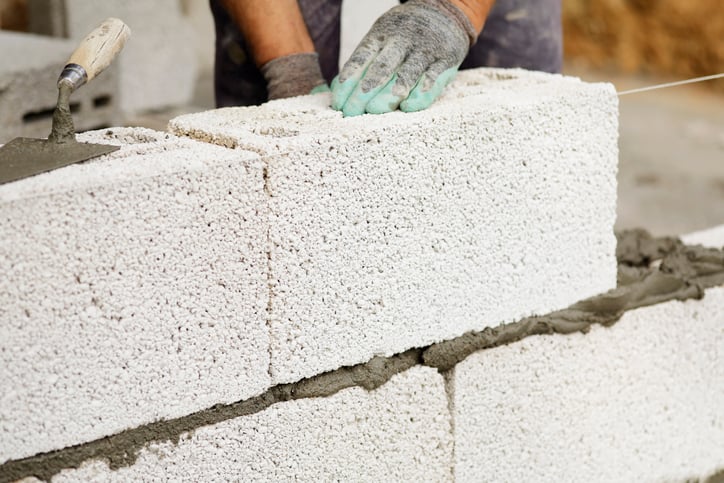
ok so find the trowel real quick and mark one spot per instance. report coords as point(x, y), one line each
point(23, 157)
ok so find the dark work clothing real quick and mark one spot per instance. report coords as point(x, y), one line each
point(517, 33)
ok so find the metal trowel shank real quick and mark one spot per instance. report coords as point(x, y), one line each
point(23, 157)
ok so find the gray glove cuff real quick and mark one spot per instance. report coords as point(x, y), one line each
point(292, 75)
point(455, 13)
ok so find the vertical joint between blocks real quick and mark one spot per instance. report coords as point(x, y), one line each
point(449, 378)
point(269, 275)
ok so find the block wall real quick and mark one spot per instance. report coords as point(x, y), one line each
point(279, 293)
point(408, 230)
point(638, 401)
point(134, 289)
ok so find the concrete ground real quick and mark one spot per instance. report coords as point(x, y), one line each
point(672, 162)
point(671, 172)
point(671, 165)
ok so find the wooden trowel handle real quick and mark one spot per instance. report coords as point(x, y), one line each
point(96, 51)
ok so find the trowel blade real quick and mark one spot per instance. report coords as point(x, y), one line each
point(23, 157)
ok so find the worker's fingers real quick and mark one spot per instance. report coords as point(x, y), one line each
point(388, 99)
point(429, 87)
point(354, 69)
point(383, 67)
point(376, 77)
point(319, 89)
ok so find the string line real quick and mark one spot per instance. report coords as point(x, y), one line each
point(672, 84)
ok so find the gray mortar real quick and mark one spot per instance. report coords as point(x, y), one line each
point(717, 477)
point(638, 248)
point(61, 147)
point(122, 449)
point(63, 130)
point(684, 272)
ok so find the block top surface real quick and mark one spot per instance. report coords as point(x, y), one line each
point(286, 124)
point(143, 153)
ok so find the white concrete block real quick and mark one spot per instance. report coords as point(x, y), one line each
point(158, 67)
point(399, 432)
point(712, 237)
point(133, 288)
point(400, 230)
point(640, 401)
point(29, 70)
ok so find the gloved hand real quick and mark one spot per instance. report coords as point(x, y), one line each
point(294, 75)
point(406, 59)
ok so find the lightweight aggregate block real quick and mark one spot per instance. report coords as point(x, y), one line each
point(399, 432)
point(29, 70)
point(639, 401)
point(133, 289)
point(157, 67)
point(400, 230)
point(712, 237)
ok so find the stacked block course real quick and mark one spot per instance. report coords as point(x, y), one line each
point(289, 294)
point(397, 231)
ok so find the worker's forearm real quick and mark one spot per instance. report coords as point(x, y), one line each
point(272, 28)
point(476, 10)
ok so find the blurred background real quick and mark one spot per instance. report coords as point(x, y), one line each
point(671, 174)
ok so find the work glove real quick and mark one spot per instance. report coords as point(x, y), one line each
point(293, 75)
point(406, 59)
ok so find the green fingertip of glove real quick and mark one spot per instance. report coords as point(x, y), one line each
point(341, 92)
point(420, 99)
point(382, 101)
point(386, 100)
point(356, 105)
point(320, 88)
point(348, 99)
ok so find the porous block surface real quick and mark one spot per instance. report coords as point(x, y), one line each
point(639, 401)
point(396, 231)
point(399, 432)
point(29, 69)
point(133, 288)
